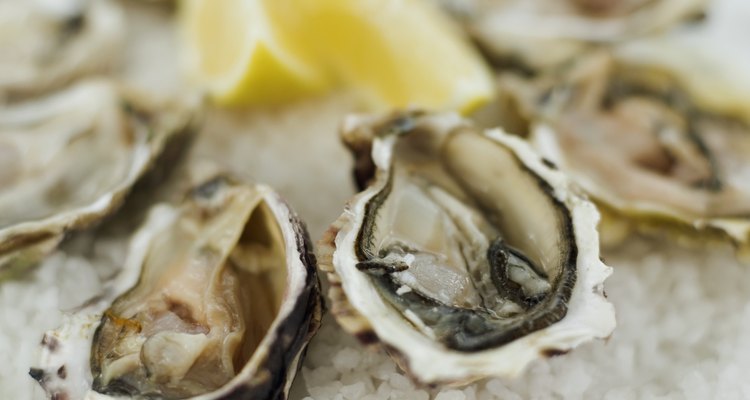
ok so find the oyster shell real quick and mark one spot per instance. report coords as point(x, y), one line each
point(529, 35)
point(68, 160)
point(646, 141)
point(217, 299)
point(465, 255)
point(45, 44)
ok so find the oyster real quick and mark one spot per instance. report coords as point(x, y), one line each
point(67, 160)
point(645, 141)
point(529, 35)
point(217, 299)
point(465, 255)
point(45, 44)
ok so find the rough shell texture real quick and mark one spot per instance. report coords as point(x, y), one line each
point(46, 44)
point(233, 220)
point(645, 136)
point(572, 312)
point(530, 35)
point(69, 159)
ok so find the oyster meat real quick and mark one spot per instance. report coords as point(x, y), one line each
point(217, 299)
point(534, 34)
point(465, 255)
point(68, 159)
point(47, 43)
point(645, 142)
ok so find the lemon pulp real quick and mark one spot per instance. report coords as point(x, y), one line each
point(395, 53)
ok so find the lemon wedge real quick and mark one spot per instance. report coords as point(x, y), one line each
point(233, 49)
point(395, 53)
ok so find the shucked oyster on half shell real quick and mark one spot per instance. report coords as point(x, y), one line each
point(536, 34)
point(645, 141)
point(217, 299)
point(68, 159)
point(47, 43)
point(465, 255)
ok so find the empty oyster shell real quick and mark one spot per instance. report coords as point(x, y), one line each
point(44, 44)
point(217, 299)
point(533, 34)
point(67, 160)
point(465, 255)
point(645, 142)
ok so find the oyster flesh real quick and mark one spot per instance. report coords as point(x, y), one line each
point(67, 160)
point(646, 142)
point(536, 34)
point(45, 44)
point(217, 299)
point(465, 255)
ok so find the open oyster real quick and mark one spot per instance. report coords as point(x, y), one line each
point(645, 141)
point(535, 34)
point(68, 159)
point(217, 299)
point(44, 44)
point(465, 254)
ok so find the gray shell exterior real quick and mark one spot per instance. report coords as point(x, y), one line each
point(65, 371)
point(362, 309)
point(102, 121)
